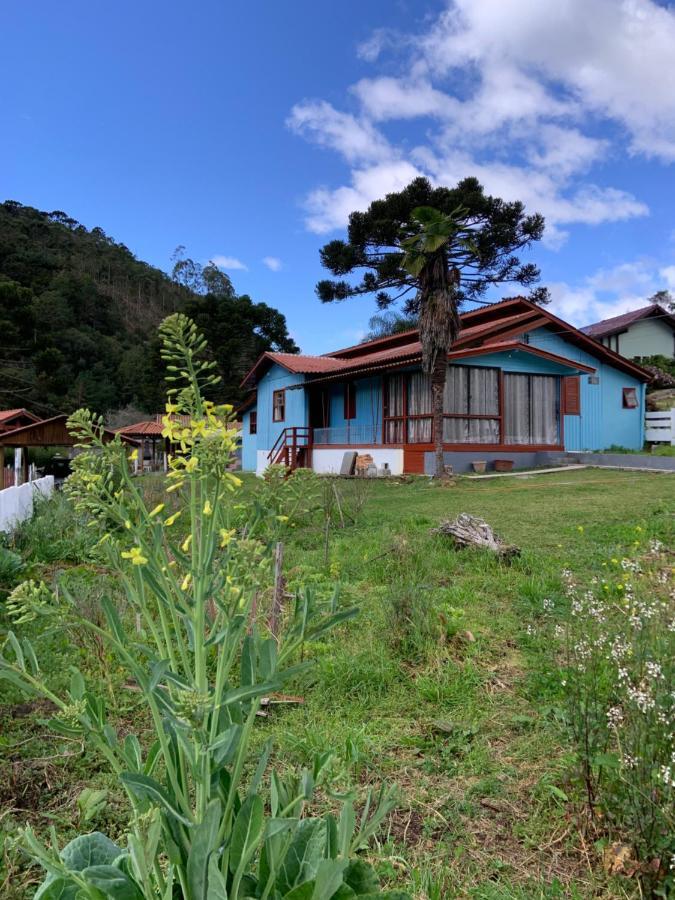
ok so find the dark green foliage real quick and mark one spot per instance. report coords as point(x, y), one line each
point(238, 331)
point(497, 229)
point(390, 322)
point(79, 316)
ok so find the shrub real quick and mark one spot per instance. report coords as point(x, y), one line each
point(199, 827)
point(618, 678)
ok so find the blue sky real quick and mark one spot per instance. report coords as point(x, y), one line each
point(247, 132)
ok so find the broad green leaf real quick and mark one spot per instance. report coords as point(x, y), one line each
point(346, 826)
point(204, 839)
point(328, 878)
point(57, 889)
point(87, 850)
point(90, 802)
point(361, 877)
point(247, 832)
point(18, 652)
point(304, 854)
point(77, 686)
point(147, 788)
point(113, 882)
point(217, 888)
point(301, 892)
point(260, 768)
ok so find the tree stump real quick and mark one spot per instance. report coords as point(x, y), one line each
point(470, 531)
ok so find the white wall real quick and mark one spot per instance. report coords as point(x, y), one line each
point(330, 460)
point(16, 503)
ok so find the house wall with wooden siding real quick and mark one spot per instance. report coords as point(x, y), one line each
point(249, 443)
point(277, 378)
point(368, 419)
point(603, 421)
point(647, 337)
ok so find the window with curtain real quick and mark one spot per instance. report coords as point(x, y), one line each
point(471, 406)
point(394, 406)
point(419, 409)
point(531, 404)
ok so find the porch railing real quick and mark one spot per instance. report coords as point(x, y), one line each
point(349, 435)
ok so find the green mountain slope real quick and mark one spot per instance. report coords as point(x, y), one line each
point(79, 315)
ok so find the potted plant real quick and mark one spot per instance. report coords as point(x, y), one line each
point(479, 466)
point(503, 465)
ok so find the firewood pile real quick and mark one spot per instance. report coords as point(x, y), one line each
point(470, 531)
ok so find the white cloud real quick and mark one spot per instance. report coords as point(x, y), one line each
point(356, 139)
point(229, 262)
point(328, 209)
point(611, 58)
point(514, 92)
point(609, 292)
point(273, 263)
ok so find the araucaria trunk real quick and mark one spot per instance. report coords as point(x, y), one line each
point(439, 325)
point(437, 390)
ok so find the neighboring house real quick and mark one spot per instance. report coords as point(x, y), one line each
point(649, 331)
point(520, 382)
point(15, 418)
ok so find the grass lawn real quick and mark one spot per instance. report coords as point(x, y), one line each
point(442, 684)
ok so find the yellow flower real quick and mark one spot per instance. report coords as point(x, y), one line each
point(638, 528)
point(157, 510)
point(226, 536)
point(580, 529)
point(127, 523)
point(172, 518)
point(175, 486)
point(234, 479)
point(135, 556)
point(282, 518)
point(186, 582)
point(185, 546)
point(171, 408)
point(191, 464)
point(133, 456)
point(207, 508)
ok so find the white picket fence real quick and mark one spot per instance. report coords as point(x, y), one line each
point(16, 502)
point(660, 427)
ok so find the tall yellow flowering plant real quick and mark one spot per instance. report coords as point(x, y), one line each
point(208, 820)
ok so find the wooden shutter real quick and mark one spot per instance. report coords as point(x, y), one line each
point(571, 396)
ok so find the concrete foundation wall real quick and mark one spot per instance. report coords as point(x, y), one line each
point(461, 461)
point(16, 503)
point(329, 461)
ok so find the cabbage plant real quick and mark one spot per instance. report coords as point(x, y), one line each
point(210, 817)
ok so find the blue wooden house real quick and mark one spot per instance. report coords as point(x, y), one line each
point(521, 385)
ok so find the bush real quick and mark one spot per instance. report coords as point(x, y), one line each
point(618, 678)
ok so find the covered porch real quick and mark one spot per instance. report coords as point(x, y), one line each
point(510, 400)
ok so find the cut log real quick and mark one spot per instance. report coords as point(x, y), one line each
point(470, 531)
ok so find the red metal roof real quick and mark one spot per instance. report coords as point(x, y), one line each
point(8, 414)
point(149, 427)
point(480, 328)
point(620, 323)
point(390, 362)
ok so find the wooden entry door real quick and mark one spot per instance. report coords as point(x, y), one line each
point(319, 408)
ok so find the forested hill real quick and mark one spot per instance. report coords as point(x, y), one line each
point(79, 316)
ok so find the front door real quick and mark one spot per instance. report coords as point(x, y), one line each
point(319, 409)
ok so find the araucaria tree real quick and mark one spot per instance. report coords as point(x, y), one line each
point(433, 249)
